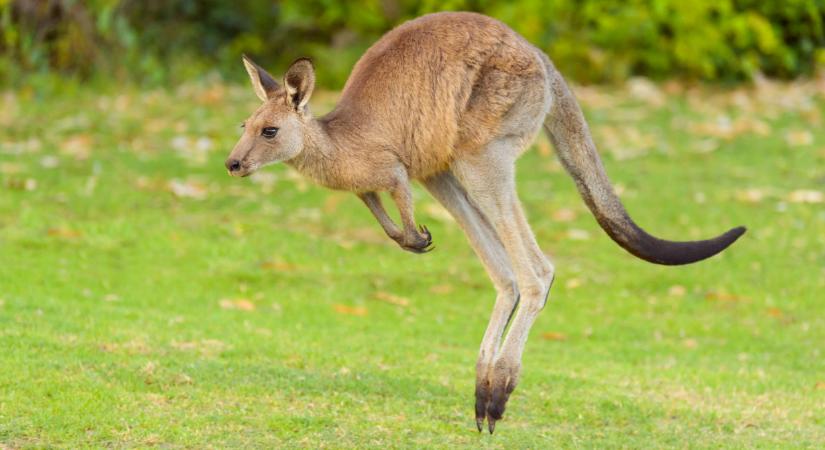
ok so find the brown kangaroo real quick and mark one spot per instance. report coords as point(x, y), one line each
point(452, 100)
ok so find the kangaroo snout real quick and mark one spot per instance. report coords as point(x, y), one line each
point(240, 167)
point(237, 168)
point(233, 165)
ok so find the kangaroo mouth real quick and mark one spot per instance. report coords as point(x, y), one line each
point(241, 169)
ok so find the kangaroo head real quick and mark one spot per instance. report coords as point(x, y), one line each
point(275, 131)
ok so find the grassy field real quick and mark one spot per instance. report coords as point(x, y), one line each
point(148, 299)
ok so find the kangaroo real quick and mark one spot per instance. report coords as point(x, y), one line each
point(451, 100)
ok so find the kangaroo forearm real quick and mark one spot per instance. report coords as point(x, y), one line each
point(373, 202)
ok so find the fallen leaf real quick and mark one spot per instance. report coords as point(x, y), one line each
point(564, 215)
point(78, 147)
point(573, 283)
point(752, 195)
point(312, 215)
point(722, 296)
point(148, 372)
point(391, 299)
point(594, 97)
point(625, 143)
point(238, 303)
point(175, 320)
point(213, 346)
point(441, 289)
point(63, 232)
point(350, 310)
point(182, 378)
point(156, 399)
point(226, 304)
point(237, 229)
point(813, 116)
point(799, 138)
point(187, 189)
point(107, 347)
point(820, 385)
point(193, 150)
point(346, 244)
point(206, 347)
point(578, 235)
point(133, 347)
point(149, 368)
point(645, 90)
point(553, 336)
point(725, 128)
point(677, 291)
point(806, 196)
point(8, 168)
point(150, 184)
point(31, 145)
point(278, 266)
point(18, 184)
point(244, 305)
point(184, 346)
point(774, 312)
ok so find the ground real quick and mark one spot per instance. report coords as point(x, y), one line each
point(148, 299)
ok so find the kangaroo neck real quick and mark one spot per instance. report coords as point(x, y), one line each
point(319, 155)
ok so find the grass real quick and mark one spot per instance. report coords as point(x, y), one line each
point(147, 299)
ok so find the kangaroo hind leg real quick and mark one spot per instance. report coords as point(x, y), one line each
point(488, 177)
point(446, 189)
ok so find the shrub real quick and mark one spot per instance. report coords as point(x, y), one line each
point(590, 40)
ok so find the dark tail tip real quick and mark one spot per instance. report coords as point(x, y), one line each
point(736, 232)
point(677, 253)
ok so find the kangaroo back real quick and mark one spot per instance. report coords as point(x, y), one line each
point(567, 129)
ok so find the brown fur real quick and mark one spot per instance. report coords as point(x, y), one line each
point(461, 72)
point(451, 100)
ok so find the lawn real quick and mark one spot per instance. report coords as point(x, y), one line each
point(148, 299)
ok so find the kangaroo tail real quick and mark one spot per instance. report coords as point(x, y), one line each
point(567, 129)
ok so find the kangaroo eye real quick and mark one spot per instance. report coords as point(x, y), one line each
point(269, 132)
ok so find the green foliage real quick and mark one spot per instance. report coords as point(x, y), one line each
point(591, 40)
point(716, 39)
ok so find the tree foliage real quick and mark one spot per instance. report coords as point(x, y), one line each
point(590, 40)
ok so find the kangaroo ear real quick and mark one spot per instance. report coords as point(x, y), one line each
point(265, 86)
point(299, 81)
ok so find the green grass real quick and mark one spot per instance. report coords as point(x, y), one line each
point(251, 316)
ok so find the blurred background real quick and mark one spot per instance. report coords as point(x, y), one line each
point(589, 40)
point(148, 300)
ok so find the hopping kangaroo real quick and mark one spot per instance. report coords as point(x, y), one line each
point(451, 100)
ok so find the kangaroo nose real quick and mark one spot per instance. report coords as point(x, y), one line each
point(233, 165)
